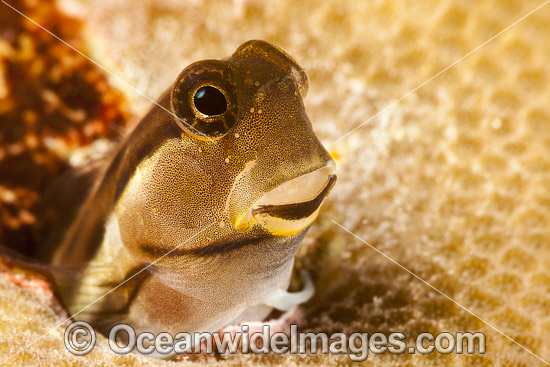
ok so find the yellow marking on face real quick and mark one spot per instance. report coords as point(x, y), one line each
point(283, 227)
point(301, 189)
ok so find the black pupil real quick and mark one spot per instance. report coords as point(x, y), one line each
point(210, 101)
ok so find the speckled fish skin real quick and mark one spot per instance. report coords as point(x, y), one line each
point(177, 190)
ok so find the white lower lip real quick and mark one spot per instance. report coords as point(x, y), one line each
point(298, 190)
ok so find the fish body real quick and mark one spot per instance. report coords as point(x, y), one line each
point(195, 219)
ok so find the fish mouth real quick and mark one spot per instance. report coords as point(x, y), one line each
point(291, 206)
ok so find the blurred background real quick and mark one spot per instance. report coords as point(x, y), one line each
point(452, 181)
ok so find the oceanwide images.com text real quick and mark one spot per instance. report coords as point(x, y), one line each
point(80, 339)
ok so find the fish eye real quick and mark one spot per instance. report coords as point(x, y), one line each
point(210, 101)
point(204, 99)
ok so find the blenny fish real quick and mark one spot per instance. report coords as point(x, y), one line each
point(211, 194)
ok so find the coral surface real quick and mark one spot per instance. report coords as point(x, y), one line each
point(449, 177)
